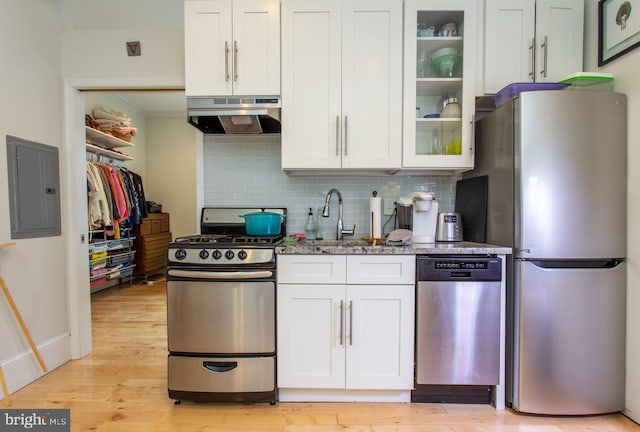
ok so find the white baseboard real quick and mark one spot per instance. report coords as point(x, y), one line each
point(23, 368)
point(633, 415)
point(331, 395)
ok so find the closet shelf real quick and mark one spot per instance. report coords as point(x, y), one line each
point(106, 152)
point(105, 140)
point(111, 245)
point(99, 143)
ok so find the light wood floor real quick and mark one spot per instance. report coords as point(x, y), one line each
point(122, 387)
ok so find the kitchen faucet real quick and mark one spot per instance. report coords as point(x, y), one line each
point(341, 232)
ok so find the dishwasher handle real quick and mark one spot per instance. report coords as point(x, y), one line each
point(460, 274)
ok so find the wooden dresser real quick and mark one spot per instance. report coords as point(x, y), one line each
point(152, 237)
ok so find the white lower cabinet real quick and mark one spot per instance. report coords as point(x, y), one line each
point(346, 340)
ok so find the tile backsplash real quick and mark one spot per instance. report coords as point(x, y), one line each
point(245, 171)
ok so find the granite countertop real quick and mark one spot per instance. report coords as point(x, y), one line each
point(361, 247)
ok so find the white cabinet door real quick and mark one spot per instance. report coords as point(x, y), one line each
point(559, 33)
point(256, 47)
point(371, 84)
point(341, 84)
point(232, 48)
point(509, 43)
point(311, 336)
point(207, 38)
point(528, 40)
point(438, 144)
point(380, 336)
point(311, 93)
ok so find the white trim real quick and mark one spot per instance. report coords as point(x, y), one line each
point(199, 137)
point(176, 84)
point(75, 225)
point(23, 368)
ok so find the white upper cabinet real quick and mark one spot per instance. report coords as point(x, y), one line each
point(439, 64)
point(532, 41)
point(341, 84)
point(232, 47)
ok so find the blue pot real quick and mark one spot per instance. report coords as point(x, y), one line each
point(262, 223)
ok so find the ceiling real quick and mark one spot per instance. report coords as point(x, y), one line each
point(156, 104)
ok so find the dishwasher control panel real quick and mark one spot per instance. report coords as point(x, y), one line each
point(455, 268)
point(460, 265)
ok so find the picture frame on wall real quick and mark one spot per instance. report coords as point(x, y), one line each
point(618, 28)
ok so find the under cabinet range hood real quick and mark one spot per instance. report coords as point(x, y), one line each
point(235, 115)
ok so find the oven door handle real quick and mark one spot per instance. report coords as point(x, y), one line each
point(221, 275)
point(219, 366)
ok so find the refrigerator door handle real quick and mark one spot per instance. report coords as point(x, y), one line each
point(587, 264)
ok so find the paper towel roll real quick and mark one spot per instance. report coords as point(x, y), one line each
point(375, 221)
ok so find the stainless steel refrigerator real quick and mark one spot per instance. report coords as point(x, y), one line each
point(556, 166)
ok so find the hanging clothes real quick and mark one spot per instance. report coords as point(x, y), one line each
point(115, 196)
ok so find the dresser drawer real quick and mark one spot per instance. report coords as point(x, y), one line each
point(151, 253)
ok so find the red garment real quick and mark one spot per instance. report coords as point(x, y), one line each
point(117, 190)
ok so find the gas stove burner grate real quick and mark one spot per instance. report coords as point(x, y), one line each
point(257, 239)
point(204, 238)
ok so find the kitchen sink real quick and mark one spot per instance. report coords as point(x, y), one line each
point(338, 243)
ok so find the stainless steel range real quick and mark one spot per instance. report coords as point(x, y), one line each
point(221, 323)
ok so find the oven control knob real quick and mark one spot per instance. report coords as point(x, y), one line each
point(229, 255)
point(216, 254)
point(242, 254)
point(180, 254)
point(204, 254)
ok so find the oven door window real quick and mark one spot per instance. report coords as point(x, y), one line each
point(221, 317)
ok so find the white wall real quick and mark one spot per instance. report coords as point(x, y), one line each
point(94, 44)
point(625, 69)
point(34, 269)
point(171, 174)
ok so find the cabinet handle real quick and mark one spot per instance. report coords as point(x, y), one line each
point(235, 61)
point(532, 50)
point(337, 135)
point(545, 47)
point(341, 322)
point(472, 144)
point(350, 322)
point(346, 134)
point(226, 61)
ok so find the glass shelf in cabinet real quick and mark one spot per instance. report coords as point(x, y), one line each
point(438, 86)
point(448, 125)
point(440, 120)
point(428, 45)
point(440, 41)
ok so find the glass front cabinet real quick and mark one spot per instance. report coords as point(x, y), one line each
point(439, 94)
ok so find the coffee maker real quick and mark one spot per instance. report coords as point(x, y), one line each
point(418, 212)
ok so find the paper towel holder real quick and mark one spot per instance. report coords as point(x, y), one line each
point(375, 208)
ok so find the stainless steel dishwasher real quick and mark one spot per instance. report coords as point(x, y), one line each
point(458, 320)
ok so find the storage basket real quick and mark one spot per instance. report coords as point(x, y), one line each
point(508, 92)
point(120, 258)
